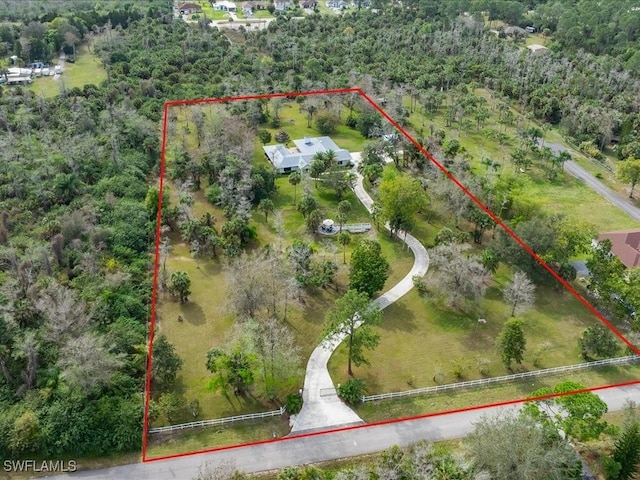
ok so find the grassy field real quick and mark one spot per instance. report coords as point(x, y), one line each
point(206, 319)
point(87, 69)
point(217, 436)
point(566, 194)
point(423, 344)
point(294, 122)
point(420, 405)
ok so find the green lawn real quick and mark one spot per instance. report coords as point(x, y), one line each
point(422, 342)
point(566, 194)
point(205, 317)
point(197, 439)
point(424, 404)
point(87, 69)
point(294, 122)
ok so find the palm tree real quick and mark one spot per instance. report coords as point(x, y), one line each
point(344, 239)
point(66, 186)
point(329, 158)
point(294, 179)
point(266, 206)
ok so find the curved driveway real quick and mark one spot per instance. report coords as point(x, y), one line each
point(322, 409)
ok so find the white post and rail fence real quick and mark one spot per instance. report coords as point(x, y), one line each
point(505, 378)
point(219, 421)
point(407, 393)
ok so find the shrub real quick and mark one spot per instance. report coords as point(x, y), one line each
point(282, 137)
point(213, 193)
point(352, 391)
point(293, 402)
point(419, 284)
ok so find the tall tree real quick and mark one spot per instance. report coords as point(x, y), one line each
point(166, 363)
point(294, 179)
point(578, 414)
point(277, 354)
point(459, 278)
point(344, 239)
point(369, 269)
point(512, 342)
point(519, 293)
point(624, 463)
point(266, 206)
point(629, 171)
point(351, 319)
point(401, 198)
point(181, 285)
point(598, 341)
point(515, 447)
point(233, 369)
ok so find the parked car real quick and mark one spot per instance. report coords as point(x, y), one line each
point(57, 69)
point(71, 60)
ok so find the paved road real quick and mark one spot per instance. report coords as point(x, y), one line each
point(317, 448)
point(596, 185)
point(322, 408)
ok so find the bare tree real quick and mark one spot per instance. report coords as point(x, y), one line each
point(86, 362)
point(65, 315)
point(458, 277)
point(515, 446)
point(278, 354)
point(520, 293)
point(27, 350)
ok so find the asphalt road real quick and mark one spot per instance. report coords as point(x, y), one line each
point(596, 185)
point(322, 447)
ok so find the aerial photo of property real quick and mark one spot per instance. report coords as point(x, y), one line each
point(332, 239)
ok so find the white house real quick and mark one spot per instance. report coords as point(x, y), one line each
point(289, 160)
point(225, 6)
point(282, 5)
point(537, 49)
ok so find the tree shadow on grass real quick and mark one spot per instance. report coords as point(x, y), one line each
point(398, 318)
point(193, 313)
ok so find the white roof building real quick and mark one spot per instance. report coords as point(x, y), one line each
point(289, 160)
point(537, 49)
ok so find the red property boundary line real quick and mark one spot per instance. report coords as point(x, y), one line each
point(481, 205)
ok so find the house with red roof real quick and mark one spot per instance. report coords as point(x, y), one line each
point(625, 244)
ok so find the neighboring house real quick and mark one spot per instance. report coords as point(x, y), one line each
point(289, 160)
point(337, 4)
point(308, 4)
point(515, 31)
point(189, 8)
point(282, 5)
point(537, 49)
point(625, 244)
point(225, 6)
point(247, 9)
